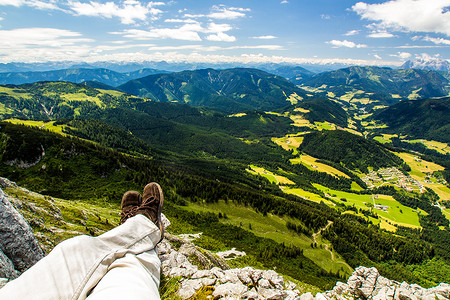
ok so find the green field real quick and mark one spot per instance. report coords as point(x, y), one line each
point(273, 178)
point(442, 148)
point(311, 163)
point(274, 227)
point(41, 124)
point(396, 213)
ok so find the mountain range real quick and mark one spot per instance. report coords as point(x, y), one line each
point(231, 90)
point(76, 75)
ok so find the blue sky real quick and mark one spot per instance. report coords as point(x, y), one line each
point(297, 31)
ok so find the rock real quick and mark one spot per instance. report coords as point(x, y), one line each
point(235, 290)
point(251, 295)
point(272, 294)
point(189, 287)
point(307, 296)
point(368, 284)
point(17, 241)
point(264, 283)
point(276, 280)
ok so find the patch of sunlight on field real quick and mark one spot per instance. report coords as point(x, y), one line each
point(385, 138)
point(353, 131)
point(446, 213)
point(14, 92)
point(294, 98)
point(289, 142)
point(302, 110)
point(384, 224)
point(43, 125)
point(396, 212)
point(442, 148)
point(274, 178)
point(414, 95)
point(419, 166)
point(305, 195)
point(331, 94)
point(238, 115)
point(311, 163)
point(324, 126)
point(396, 96)
point(440, 189)
point(111, 92)
point(379, 107)
point(81, 97)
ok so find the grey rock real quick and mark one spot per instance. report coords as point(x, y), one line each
point(235, 290)
point(251, 295)
point(189, 287)
point(307, 296)
point(17, 241)
point(272, 294)
point(264, 283)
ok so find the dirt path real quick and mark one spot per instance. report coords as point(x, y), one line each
point(327, 247)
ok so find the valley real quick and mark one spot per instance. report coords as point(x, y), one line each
point(314, 179)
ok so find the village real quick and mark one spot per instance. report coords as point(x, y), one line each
point(392, 176)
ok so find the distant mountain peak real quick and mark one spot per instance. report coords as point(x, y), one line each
point(427, 63)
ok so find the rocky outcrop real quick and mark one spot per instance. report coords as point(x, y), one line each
point(225, 283)
point(250, 283)
point(366, 283)
point(19, 248)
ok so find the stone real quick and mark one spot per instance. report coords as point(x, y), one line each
point(189, 287)
point(17, 241)
point(251, 295)
point(307, 296)
point(229, 289)
point(271, 294)
point(264, 283)
point(275, 279)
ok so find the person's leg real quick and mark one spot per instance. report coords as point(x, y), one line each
point(76, 266)
point(131, 277)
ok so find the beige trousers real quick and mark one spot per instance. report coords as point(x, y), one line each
point(119, 264)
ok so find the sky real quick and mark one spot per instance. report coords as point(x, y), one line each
point(246, 31)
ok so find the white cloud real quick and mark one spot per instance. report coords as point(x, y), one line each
point(221, 37)
point(184, 33)
point(49, 37)
point(264, 37)
point(345, 43)
point(352, 32)
point(221, 12)
point(377, 56)
point(284, 2)
point(128, 11)
point(180, 21)
point(188, 32)
point(409, 15)
point(325, 17)
point(402, 55)
point(41, 5)
point(381, 34)
point(437, 41)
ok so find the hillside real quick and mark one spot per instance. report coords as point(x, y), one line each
point(351, 150)
point(380, 86)
point(76, 75)
point(424, 119)
point(323, 110)
point(232, 90)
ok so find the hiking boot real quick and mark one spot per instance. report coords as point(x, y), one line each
point(131, 201)
point(152, 203)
